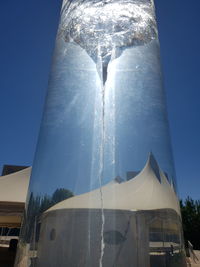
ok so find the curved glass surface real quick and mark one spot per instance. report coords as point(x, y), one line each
point(103, 189)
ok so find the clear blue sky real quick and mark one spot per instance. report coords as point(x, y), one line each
point(28, 29)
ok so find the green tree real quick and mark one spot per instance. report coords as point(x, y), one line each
point(45, 203)
point(190, 210)
point(61, 194)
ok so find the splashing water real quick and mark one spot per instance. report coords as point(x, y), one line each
point(95, 24)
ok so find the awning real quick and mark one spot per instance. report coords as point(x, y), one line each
point(13, 191)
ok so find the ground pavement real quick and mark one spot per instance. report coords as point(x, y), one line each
point(194, 260)
point(7, 258)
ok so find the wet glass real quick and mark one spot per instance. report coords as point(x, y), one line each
point(103, 188)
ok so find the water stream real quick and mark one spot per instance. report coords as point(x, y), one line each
point(101, 171)
point(101, 27)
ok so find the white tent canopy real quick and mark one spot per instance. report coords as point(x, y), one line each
point(13, 191)
point(143, 192)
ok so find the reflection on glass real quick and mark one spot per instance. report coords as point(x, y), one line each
point(103, 190)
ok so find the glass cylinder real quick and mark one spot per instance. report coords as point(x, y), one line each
point(103, 189)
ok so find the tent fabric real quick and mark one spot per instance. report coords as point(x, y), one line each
point(144, 192)
point(10, 221)
point(13, 187)
point(11, 214)
point(13, 191)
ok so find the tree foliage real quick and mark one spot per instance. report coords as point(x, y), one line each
point(190, 210)
point(61, 194)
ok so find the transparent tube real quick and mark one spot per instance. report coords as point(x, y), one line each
point(103, 189)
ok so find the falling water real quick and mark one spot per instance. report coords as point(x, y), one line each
point(102, 153)
point(101, 27)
